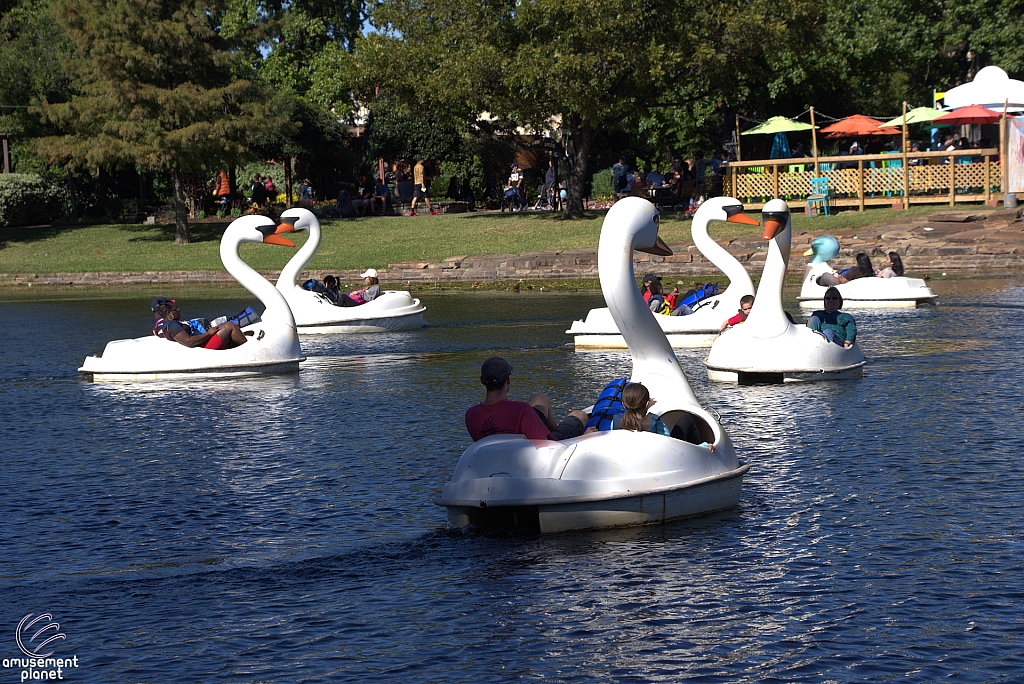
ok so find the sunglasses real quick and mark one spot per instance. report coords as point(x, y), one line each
point(834, 299)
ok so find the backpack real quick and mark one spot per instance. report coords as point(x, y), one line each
point(245, 317)
point(695, 297)
point(608, 404)
point(314, 285)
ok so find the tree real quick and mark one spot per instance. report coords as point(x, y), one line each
point(583, 67)
point(33, 52)
point(154, 87)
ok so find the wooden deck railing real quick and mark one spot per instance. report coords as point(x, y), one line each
point(871, 179)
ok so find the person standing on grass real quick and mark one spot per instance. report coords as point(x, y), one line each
point(419, 188)
point(620, 186)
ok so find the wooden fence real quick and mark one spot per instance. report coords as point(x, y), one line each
point(871, 179)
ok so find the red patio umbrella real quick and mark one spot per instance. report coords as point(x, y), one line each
point(971, 114)
point(857, 126)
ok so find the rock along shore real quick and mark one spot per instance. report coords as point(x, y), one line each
point(948, 243)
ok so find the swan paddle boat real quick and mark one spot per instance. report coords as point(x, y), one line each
point(613, 478)
point(272, 346)
point(768, 347)
point(315, 313)
point(898, 292)
point(598, 330)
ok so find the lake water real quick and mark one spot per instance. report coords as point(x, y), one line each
point(281, 530)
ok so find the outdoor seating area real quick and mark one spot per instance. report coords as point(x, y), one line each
point(867, 180)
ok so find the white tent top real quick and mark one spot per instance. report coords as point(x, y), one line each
point(990, 88)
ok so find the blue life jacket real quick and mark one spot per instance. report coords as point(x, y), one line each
point(608, 404)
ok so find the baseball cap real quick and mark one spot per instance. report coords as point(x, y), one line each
point(159, 303)
point(369, 273)
point(495, 370)
point(649, 277)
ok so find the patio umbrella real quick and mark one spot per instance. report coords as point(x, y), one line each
point(856, 126)
point(777, 124)
point(971, 114)
point(916, 115)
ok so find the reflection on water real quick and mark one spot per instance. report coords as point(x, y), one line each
point(280, 528)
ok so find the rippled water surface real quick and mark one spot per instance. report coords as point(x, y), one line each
point(281, 529)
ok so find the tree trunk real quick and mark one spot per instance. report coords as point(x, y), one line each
point(577, 149)
point(181, 236)
point(288, 182)
point(72, 197)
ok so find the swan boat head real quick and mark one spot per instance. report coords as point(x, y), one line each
point(300, 219)
point(730, 210)
point(260, 229)
point(823, 248)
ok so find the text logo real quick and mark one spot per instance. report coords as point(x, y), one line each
point(35, 634)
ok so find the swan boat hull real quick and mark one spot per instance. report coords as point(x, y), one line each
point(898, 292)
point(509, 482)
point(154, 358)
point(393, 310)
point(598, 330)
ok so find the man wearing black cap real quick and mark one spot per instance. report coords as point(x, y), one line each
point(498, 415)
point(646, 285)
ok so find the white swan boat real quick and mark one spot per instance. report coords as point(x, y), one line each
point(314, 313)
point(272, 346)
point(598, 329)
point(768, 347)
point(898, 292)
point(615, 478)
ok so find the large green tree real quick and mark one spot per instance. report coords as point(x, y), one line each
point(154, 87)
point(33, 55)
point(581, 66)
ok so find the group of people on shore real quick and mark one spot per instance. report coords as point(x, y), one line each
point(262, 191)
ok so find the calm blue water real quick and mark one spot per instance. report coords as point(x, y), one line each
point(281, 530)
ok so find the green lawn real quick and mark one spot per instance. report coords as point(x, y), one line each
point(361, 243)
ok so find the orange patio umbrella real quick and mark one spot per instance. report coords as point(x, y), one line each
point(971, 114)
point(856, 126)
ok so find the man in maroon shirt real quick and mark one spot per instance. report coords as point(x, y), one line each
point(497, 415)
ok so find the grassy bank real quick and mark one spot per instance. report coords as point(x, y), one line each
point(361, 243)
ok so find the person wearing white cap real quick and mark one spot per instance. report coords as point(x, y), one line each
point(364, 295)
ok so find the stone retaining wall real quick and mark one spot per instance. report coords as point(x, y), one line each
point(949, 243)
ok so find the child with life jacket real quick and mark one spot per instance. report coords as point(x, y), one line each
point(623, 406)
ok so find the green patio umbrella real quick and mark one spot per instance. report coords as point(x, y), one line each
point(916, 115)
point(778, 124)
